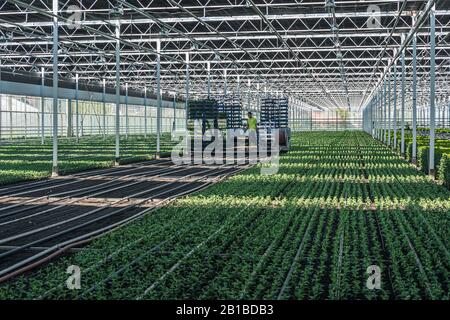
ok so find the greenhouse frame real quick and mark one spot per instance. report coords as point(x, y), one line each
point(97, 99)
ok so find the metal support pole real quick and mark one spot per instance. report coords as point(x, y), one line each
point(402, 147)
point(127, 120)
point(174, 111)
point(61, 123)
point(42, 106)
point(258, 98)
point(11, 134)
point(158, 95)
point(55, 89)
point(373, 115)
point(432, 87)
point(372, 118)
point(248, 95)
point(0, 102)
point(384, 111)
point(208, 69)
point(366, 119)
point(145, 112)
point(104, 109)
point(77, 111)
point(389, 109)
point(117, 155)
point(375, 112)
point(187, 92)
point(25, 114)
point(380, 114)
point(414, 101)
point(294, 118)
point(376, 108)
point(239, 88)
point(225, 85)
point(395, 106)
point(69, 118)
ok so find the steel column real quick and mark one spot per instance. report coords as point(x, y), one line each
point(248, 95)
point(384, 111)
point(104, 109)
point(414, 101)
point(225, 85)
point(208, 69)
point(186, 105)
point(77, 111)
point(11, 135)
point(127, 120)
point(117, 155)
point(0, 102)
point(158, 95)
point(380, 114)
point(402, 146)
point(395, 106)
point(389, 108)
point(42, 107)
point(69, 118)
point(145, 112)
point(55, 171)
point(432, 87)
point(174, 112)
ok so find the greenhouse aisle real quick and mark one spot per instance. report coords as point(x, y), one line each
point(341, 205)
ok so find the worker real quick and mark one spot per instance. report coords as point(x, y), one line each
point(252, 123)
point(252, 127)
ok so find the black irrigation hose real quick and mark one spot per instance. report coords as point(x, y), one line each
point(40, 183)
point(61, 247)
point(77, 192)
point(168, 200)
point(8, 253)
point(140, 257)
point(31, 232)
point(66, 184)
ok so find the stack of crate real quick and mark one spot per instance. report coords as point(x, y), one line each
point(274, 112)
point(231, 108)
point(202, 110)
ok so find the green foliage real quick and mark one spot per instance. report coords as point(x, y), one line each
point(340, 203)
point(423, 157)
point(444, 169)
point(442, 147)
point(25, 160)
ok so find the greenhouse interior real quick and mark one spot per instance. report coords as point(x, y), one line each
point(229, 150)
